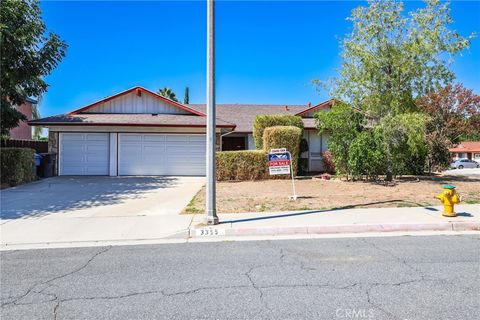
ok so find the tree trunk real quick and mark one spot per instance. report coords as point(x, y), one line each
point(389, 176)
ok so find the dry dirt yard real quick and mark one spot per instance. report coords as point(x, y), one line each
point(272, 195)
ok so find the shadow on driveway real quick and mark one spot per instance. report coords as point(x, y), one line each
point(73, 193)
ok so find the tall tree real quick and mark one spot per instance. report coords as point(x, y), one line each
point(168, 93)
point(186, 97)
point(390, 59)
point(453, 112)
point(28, 54)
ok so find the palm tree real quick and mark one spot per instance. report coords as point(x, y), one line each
point(186, 97)
point(168, 93)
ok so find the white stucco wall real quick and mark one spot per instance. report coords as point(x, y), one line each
point(250, 142)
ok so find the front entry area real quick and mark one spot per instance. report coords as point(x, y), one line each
point(233, 143)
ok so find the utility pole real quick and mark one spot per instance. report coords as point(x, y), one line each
point(211, 204)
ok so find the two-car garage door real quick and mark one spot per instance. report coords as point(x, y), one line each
point(161, 154)
point(137, 154)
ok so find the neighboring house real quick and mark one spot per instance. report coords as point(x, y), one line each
point(467, 149)
point(138, 132)
point(23, 130)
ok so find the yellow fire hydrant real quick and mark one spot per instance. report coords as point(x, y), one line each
point(449, 198)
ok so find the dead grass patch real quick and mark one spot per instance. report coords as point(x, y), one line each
point(272, 195)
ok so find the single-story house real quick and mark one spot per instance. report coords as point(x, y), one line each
point(466, 149)
point(138, 132)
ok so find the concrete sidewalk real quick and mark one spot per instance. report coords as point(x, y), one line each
point(339, 221)
point(71, 230)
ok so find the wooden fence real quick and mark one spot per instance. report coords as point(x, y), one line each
point(38, 146)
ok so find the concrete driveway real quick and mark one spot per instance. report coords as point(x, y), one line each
point(91, 209)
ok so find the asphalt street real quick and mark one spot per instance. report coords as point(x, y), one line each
point(410, 277)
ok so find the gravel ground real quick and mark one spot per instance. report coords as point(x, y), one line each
point(272, 195)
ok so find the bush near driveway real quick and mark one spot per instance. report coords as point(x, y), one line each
point(242, 165)
point(288, 137)
point(272, 120)
point(17, 166)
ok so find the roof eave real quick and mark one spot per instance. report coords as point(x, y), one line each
point(33, 123)
point(318, 106)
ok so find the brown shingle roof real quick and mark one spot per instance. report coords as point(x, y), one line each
point(124, 119)
point(243, 115)
point(228, 115)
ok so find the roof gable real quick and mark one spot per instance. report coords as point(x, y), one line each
point(309, 112)
point(137, 100)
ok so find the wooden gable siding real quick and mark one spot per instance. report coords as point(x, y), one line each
point(133, 103)
point(311, 114)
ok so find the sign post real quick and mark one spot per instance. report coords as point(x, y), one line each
point(280, 162)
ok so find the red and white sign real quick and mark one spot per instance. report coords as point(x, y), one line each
point(279, 163)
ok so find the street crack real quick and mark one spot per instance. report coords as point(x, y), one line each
point(47, 282)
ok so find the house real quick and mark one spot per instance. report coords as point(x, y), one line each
point(138, 132)
point(23, 131)
point(466, 149)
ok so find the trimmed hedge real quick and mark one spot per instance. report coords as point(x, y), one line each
point(242, 165)
point(271, 120)
point(17, 165)
point(288, 137)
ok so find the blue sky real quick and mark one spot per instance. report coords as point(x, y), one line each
point(267, 52)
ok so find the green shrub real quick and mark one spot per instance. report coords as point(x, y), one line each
point(272, 120)
point(242, 165)
point(343, 125)
point(17, 165)
point(288, 137)
point(365, 156)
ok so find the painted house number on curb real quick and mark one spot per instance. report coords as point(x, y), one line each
point(209, 232)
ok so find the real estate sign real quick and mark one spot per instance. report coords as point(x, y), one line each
point(279, 163)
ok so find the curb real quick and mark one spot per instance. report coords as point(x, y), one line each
point(335, 229)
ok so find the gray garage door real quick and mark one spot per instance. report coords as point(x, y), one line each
point(84, 154)
point(161, 154)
